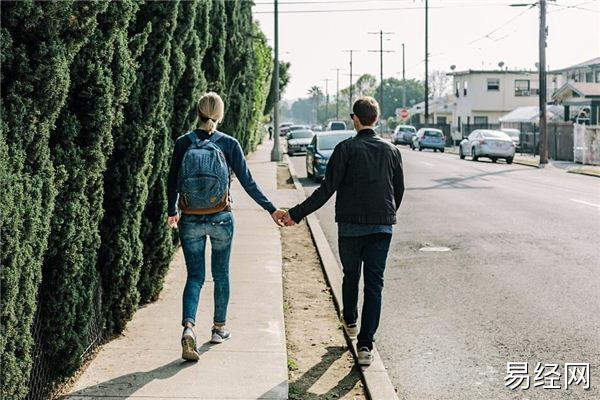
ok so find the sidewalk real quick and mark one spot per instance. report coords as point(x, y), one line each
point(533, 161)
point(145, 362)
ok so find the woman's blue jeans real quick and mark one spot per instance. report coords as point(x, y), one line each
point(193, 231)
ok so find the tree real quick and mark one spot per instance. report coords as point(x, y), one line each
point(393, 91)
point(439, 84)
point(315, 94)
point(284, 79)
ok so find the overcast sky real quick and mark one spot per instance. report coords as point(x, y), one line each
point(472, 34)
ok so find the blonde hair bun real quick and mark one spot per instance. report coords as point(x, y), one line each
point(210, 111)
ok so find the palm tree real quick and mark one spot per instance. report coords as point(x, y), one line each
point(315, 92)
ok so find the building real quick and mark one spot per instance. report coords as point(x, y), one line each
point(482, 97)
point(581, 101)
point(441, 111)
point(585, 72)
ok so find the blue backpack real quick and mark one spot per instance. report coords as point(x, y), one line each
point(203, 181)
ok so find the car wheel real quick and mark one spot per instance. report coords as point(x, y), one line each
point(420, 148)
point(509, 160)
point(442, 150)
point(460, 153)
point(494, 159)
point(474, 154)
point(435, 150)
point(412, 146)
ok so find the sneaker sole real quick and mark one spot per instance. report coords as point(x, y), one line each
point(219, 339)
point(189, 349)
point(365, 363)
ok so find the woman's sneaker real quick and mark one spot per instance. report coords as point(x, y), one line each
point(219, 334)
point(188, 345)
point(351, 329)
point(365, 356)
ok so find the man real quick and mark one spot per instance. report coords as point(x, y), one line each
point(366, 172)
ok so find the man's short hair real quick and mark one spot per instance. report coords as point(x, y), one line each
point(366, 110)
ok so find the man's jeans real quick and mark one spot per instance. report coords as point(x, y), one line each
point(371, 250)
point(193, 231)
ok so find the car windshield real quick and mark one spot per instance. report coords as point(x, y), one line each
point(433, 134)
point(514, 133)
point(297, 127)
point(406, 129)
point(330, 141)
point(301, 135)
point(495, 135)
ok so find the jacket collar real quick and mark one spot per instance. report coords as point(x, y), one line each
point(366, 132)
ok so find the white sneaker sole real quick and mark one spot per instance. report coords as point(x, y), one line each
point(189, 351)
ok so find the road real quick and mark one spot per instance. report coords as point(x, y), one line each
point(520, 284)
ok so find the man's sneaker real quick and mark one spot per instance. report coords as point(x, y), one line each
point(219, 334)
point(188, 345)
point(365, 356)
point(351, 329)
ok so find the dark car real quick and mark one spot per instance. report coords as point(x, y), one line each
point(320, 149)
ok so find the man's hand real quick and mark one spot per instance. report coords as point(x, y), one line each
point(278, 215)
point(172, 221)
point(287, 220)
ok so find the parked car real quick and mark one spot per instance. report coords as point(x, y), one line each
point(487, 143)
point(515, 136)
point(284, 128)
point(316, 128)
point(298, 141)
point(429, 138)
point(336, 126)
point(403, 134)
point(320, 149)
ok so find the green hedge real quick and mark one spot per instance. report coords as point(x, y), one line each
point(93, 95)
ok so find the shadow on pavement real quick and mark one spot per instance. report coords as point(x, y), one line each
point(127, 385)
point(300, 386)
point(462, 182)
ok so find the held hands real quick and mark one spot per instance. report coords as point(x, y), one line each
point(282, 218)
point(172, 221)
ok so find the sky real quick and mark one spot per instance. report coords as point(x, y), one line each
point(475, 34)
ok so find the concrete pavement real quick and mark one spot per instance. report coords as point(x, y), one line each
point(520, 283)
point(145, 363)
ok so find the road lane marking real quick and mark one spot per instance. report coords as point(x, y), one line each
point(426, 163)
point(586, 203)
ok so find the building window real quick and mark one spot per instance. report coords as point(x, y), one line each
point(493, 84)
point(522, 87)
point(480, 120)
point(589, 77)
point(466, 87)
point(441, 120)
point(459, 125)
point(457, 88)
point(598, 76)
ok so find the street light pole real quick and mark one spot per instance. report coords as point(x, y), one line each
point(542, 90)
point(337, 93)
point(326, 98)
point(426, 61)
point(350, 99)
point(403, 80)
point(276, 151)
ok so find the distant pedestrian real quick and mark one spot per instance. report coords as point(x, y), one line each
point(366, 172)
point(270, 132)
point(200, 177)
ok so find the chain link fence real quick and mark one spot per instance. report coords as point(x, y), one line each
point(43, 382)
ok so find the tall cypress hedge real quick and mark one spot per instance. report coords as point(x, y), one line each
point(81, 143)
point(40, 41)
point(93, 94)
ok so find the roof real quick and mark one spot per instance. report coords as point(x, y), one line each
point(440, 105)
point(578, 89)
point(333, 133)
point(588, 63)
point(494, 71)
point(531, 114)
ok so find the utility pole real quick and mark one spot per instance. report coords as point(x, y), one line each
point(276, 151)
point(542, 91)
point(337, 93)
point(350, 100)
point(403, 80)
point(326, 98)
point(381, 51)
point(426, 61)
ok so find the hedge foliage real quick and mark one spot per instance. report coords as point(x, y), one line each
point(93, 95)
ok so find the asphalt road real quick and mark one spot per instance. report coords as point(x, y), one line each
point(520, 284)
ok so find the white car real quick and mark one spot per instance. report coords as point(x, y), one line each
point(298, 141)
point(403, 134)
point(487, 143)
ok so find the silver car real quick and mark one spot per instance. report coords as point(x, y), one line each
point(298, 141)
point(487, 143)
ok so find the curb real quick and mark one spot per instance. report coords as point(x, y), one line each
point(583, 172)
point(378, 385)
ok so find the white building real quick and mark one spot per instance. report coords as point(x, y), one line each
point(585, 72)
point(482, 97)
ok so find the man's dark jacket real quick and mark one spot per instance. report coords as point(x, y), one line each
point(366, 172)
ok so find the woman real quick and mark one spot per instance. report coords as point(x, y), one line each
point(206, 212)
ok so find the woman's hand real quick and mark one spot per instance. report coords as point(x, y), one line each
point(172, 221)
point(278, 216)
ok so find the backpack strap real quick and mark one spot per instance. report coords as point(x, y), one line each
point(216, 135)
point(193, 137)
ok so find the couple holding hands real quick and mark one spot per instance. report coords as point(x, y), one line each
point(365, 171)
